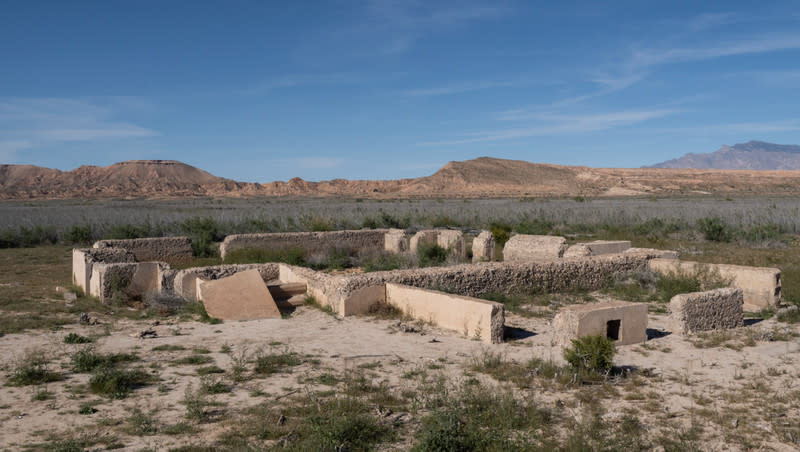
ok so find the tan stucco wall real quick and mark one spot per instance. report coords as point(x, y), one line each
point(471, 317)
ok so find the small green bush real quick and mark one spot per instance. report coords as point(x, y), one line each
point(501, 233)
point(590, 354)
point(431, 254)
point(715, 229)
point(117, 383)
point(74, 338)
point(32, 370)
point(535, 226)
point(270, 363)
point(88, 360)
point(80, 234)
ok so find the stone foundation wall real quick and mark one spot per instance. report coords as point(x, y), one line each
point(168, 249)
point(761, 286)
point(353, 294)
point(360, 240)
point(706, 311)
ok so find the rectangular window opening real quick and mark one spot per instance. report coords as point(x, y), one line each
point(612, 329)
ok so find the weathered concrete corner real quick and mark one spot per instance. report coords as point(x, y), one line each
point(483, 247)
point(623, 322)
point(706, 311)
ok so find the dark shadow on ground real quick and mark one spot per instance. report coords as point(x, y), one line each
point(656, 334)
point(748, 322)
point(512, 333)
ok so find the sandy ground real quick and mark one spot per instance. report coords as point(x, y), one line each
point(681, 376)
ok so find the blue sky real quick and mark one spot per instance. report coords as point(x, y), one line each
point(267, 90)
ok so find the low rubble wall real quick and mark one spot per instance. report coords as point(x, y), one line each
point(168, 249)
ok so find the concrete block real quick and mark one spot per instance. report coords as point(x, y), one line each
point(597, 248)
point(185, 281)
point(243, 296)
point(395, 241)
point(761, 286)
point(471, 317)
point(706, 311)
point(523, 247)
point(453, 241)
point(625, 323)
point(483, 247)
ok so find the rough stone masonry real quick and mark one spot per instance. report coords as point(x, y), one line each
point(706, 311)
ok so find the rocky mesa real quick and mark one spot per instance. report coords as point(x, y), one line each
point(481, 177)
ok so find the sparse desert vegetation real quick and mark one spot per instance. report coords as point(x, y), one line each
point(312, 381)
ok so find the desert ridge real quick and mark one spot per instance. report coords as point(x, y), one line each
point(477, 178)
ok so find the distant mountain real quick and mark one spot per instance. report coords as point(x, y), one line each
point(483, 177)
point(753, 155)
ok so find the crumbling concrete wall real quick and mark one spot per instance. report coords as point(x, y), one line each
point(705, 311)
point(623, 322)
point(470, 316)
point(448, 239)
point(127, 280)
point(522, 247)
point(483, 247)
point(597, 248)
point(168, 249)
point(395, 241)
point(653, 253)
point(84, 259)
point(761, 286)
point(185, 281)
point(360, 240)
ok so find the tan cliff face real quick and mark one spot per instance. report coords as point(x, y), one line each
point(482, 177)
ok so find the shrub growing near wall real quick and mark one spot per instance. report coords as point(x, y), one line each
point(590, 354)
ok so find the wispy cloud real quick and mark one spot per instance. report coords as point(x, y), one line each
point(30, 123)
point(300, 80)
point(395, 26)
point(752, 45)
point(461, 88)
point(545, 124)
